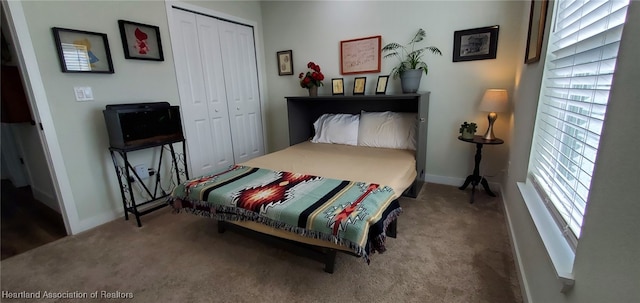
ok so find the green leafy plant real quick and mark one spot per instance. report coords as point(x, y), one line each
point(409, 56)
point(468, 127)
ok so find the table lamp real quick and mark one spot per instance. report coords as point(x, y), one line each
point(493, 101)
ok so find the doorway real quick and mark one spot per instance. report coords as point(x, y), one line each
point(31, 214)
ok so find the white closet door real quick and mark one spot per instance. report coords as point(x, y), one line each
point(201, 90)
point(241, 82)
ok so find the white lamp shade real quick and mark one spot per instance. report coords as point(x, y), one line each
point(494, 100)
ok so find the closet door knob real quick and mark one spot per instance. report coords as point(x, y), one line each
point(237, 108)
point(215, 110)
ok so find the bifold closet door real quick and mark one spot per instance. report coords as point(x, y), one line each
point(241, 83)
point(202, 93)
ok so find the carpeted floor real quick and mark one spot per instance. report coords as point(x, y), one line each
point(447, 250)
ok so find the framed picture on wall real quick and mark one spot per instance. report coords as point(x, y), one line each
point(140, 41)
point(475, 44)
point(359, 56)
point(381, 86)
point(537, 20)
point(285, 62)
point(82, 51)
point(337, 86)
point(359, 85)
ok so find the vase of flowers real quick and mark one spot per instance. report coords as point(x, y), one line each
point(312, 79)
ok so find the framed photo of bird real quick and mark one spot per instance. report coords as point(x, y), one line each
point(140, 41)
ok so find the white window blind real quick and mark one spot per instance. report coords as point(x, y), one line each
point(579, 67)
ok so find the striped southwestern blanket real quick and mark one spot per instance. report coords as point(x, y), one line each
point(351, 214)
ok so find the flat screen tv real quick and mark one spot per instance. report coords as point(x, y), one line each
point(138, 125)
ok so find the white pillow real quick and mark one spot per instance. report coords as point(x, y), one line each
point(337, 128)
point(388, 130)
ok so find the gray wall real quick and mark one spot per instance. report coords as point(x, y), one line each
point(314, 29)
point(606, 267)
point(79, 126)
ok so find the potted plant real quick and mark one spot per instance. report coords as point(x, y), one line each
point(468, 130)
point(411, 65)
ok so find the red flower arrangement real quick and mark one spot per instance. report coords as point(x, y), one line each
point(313, 77)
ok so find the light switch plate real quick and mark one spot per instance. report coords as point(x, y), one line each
point(83, 93)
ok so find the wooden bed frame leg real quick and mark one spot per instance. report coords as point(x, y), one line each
point(221, 227)
point(392, 229)
point(330, 260)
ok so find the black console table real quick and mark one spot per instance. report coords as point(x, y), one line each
point(155, 199)
point(475, 178)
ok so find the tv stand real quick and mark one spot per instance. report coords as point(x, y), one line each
point(154, 199)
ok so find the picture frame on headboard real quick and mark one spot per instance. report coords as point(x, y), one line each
point(359, 84)
point(359, 56)
point(337, 86)
point(381, 85)
point(535, 35)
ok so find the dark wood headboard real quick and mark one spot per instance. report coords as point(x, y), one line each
point(303, 111)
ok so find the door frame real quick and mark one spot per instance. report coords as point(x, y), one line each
point(37, 98)
point(257, 41)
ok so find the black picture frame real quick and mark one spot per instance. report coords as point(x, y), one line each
point(285, 62)
point(337, 86)
point(359, 85)
point(475, 44)
point(535, 35)
point(140, 41)
point(381, 85)
point(82, 51)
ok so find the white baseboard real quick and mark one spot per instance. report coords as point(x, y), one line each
point(98, 220)
point(453, 181)
point(46, 198)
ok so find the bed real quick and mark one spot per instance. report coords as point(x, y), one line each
point(320, 181)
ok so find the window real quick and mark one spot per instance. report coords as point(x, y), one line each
point(579, 67)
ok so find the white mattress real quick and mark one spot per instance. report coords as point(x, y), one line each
point(395, 168)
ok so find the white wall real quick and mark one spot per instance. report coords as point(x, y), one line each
point(314, 29)
point(80, 126)
point(606, 267)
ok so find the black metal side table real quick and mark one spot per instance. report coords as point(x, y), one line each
point(475, 178)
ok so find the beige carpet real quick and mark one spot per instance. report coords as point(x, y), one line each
point(446, 251)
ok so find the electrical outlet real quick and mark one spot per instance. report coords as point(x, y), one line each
point(142, 171)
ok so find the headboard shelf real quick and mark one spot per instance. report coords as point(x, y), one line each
point(303, 111)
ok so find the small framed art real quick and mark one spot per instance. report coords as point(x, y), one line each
point(359, 85)
point(140, 41)
point(337, 86)
point(82, 51)
point(475, 44)
point(381, 86)
point(285, 63)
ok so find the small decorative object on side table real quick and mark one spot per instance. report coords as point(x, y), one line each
point(468, 130)
point(475, 178)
